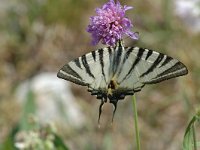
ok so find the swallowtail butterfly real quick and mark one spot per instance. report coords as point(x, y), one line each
point(114, 72)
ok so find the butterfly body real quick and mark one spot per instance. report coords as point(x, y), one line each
point(114, 72)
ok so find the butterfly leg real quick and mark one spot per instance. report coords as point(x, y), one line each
point(100, 110)
point(115, 107)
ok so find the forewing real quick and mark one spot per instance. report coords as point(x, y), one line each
point(144, 66)
point(89, 70)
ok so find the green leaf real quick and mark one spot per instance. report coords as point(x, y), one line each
point(59, 144)
point(188, 137)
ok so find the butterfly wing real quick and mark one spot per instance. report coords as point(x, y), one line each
point(144, 66)
point(91, 69)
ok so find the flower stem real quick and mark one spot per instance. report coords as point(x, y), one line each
point(137, 134)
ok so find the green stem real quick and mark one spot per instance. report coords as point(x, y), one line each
point(137, 133)
point(194, 137)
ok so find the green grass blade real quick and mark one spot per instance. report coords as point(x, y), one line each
point(189, 141)
point(29, 109)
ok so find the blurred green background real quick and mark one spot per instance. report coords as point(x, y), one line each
point(38, 36)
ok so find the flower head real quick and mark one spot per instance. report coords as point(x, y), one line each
point(110, 24)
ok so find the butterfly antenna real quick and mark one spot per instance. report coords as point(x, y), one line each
point(100, 110)
point(115, 108)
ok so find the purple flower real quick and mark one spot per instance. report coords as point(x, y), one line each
point(110, 24)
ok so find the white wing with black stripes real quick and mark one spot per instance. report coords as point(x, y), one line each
point(144, 66)
point(115, 72)
point(91, 69)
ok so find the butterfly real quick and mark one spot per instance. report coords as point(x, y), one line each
point(117, 71)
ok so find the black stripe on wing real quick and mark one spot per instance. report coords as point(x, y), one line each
point(128, 52)
point(126, 56)
point(100, 51)
point(178, 69)
point(117, 59)
point(94, 55)
point(149, 53)
point(77, 62)
point(110, 53)
point(138, 58)
point(69, 70)
point(154, 65)
point(87, 67)
point(119, 54)
point(67, 73)
point(166, 61)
